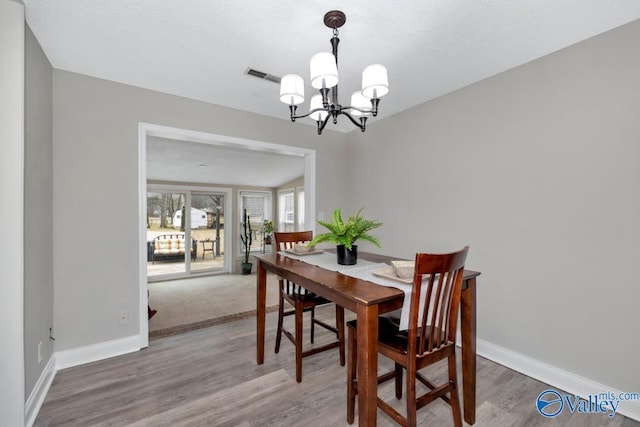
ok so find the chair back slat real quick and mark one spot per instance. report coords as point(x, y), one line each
point(438, 277)
point(288, 240)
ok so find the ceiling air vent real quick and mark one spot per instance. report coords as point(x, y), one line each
point(262, 75)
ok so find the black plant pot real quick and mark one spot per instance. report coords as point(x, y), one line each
point(246, 268)
point(346, 256)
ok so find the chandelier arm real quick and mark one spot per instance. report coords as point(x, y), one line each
point(358, 125)
point(324, 123)
point(310, 113)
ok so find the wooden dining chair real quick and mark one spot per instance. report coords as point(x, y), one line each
point(431, 337)
point(304, 301)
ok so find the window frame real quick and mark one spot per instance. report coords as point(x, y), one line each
point(268, 209)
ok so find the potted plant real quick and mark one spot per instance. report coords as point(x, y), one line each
point(246, 239)
point(345, 234)
point(268, 229)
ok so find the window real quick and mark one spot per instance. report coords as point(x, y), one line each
point(258, 206)
point(291, 209)
point(286, 214)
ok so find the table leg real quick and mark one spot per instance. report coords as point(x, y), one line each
point(468, 329)
point(367, 364)
point(261, 310)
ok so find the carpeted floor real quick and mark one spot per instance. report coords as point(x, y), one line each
point(188, 304)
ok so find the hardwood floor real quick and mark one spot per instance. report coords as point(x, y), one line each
point(209, 377)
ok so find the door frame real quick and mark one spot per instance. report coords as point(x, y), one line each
point(146, 130)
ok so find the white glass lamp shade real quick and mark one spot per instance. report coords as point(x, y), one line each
point(324, 71)
point(359, 101)
point(292, 89)
point(316, 102)
point(375, 82)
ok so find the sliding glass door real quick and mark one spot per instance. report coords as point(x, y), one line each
point(185, 232)
point(208, 231)
point(165, 230)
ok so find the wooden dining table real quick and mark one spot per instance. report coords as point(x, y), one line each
point(367, 300)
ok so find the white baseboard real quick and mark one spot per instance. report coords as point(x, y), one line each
point(558, 378)
point(95, 352)
point(39, 392)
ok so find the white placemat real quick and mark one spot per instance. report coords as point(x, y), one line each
point(326, 260)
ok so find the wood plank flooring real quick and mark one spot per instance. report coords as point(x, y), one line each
point(209, 377)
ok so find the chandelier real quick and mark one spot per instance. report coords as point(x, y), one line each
point(324, 76)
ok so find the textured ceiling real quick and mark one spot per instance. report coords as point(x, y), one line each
point(185, 161)
point(201, 49)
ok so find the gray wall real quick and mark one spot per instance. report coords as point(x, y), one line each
point(11, 216)
point(537, 169)
point(38, 211)
point(95, 176)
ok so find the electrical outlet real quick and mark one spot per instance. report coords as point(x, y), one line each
point(321, 216)
point(40, 352)
point(124, 317)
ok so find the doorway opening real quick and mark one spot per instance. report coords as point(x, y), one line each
point(245, 147)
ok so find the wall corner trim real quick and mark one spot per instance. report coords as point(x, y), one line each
point(39, 392)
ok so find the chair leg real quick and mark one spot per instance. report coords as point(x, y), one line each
point(351, 373)
point(280, 319)
point(340, 326)
point(298, 315)
point(455, 398)
point(313, 323)
point(411, 398)
point(398, 379)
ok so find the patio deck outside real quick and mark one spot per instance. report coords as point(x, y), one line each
point(208, 260)
point(205, 261)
